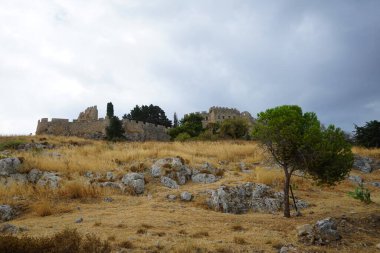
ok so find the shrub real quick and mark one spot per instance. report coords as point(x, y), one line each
point(361, 193)
point(183, 137)
point(10, 144)
point(369, 134)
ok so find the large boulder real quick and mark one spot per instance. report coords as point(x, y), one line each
point(321, 233)
point(6, 213)
point(362, 163)
point(34, 175)
point(186, 196)
point(135, 181)
point(249, 196)
point(172, 168)
point(9, 166)
point(49, 179)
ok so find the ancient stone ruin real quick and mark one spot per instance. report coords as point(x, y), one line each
point(88, 125)
point(218, 114)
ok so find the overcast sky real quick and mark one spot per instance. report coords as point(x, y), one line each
point(59, 57)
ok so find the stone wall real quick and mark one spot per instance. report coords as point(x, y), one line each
point(89, 126)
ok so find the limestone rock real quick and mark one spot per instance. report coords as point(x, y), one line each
point(11, 229)
point(6, 213)
point(110, 176)
point(355, 179)
point(170, 183)
point(362, 163)
point(113, 185)
point(34, 175)
point(173, 168)
point(19, 178)
point(135, 181)
point(9, 166)
point(186, 196)
point(204, 178)
point(108, 199)
point(49, 179)
point(288, 249)
point(376, 184)
point(171, 197)
point(79, 220)
point(323, 232)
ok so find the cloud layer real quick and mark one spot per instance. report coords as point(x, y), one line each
point(58, 57)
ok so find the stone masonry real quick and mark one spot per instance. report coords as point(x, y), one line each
point(88, 125)
point(218, 114)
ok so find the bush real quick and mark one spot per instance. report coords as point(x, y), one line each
point(368, 135)
point(361, 193)
point(183, 137)
point(67, 241)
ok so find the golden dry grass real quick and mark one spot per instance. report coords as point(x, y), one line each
point(152, 223)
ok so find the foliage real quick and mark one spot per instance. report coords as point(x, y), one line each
point(152, 114)
point(114, 131)
point(297, 141)
point(10, 144)
point(183, 137)
point(110, 112)
point(67, 241)
point(368, 135)
point(175, 120)
point(190, 124)
point(361, 193)
point(234, 128)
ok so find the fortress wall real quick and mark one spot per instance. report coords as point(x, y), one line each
point(54, 127)
point(142, 131)
point(87, 128)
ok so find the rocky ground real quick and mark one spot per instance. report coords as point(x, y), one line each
point(174, 197)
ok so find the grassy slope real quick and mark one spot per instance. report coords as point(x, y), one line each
point(151, 222)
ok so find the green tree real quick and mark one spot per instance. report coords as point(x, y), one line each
point(175, 120)
point(190, 124)
point(152, 114)
point(234, 128)
point(297, 141)
point(368, 135)
point(114, 130)
point(110, 112)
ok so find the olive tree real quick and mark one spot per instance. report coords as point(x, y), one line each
point(298, 141)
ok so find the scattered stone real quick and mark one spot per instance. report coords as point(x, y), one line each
point(135, 181)
point(18, 177)
point(113, 185)
point(108, 199)
point(171, 197)
point(186, 196)
point(49, 179)
point(362, 163)
point(376, 184)
point(34, 175)
point(170, 183)
point(322, 233)
point(168, 163)
point(11, 229)
point(204, 178)
point(110, 176)
point(288, 249)
point(356, 179)
point(6, 213)
point(79, 220)
point(9, 166)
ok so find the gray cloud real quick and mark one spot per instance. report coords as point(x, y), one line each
point(60, 56)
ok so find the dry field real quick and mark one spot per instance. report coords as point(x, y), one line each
point(152, 223)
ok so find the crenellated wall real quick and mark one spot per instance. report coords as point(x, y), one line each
point(89, 127)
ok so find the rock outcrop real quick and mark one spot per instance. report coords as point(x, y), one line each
point(7, 213)
point(135, 181)
point(9, 166)
point(363, 164)
point(249, 196)
point(172, 171)
point(321, 233)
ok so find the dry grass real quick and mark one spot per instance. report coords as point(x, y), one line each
point(155, 224)
point(371, 152)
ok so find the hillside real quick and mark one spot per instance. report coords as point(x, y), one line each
point(78, 183)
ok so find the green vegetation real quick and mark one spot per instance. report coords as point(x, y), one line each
point(361, 193)
point(66, 241)
point(190, 124)
point(297, 141)
point(175, 120)
point(368, 135)
point(114, 131)
point(152, 114)
point(234, 128)
point(10, 144)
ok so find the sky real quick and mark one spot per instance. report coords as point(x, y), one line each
point(59, 57)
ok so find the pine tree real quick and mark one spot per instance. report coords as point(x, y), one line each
point(175, 120)
point(110, 113)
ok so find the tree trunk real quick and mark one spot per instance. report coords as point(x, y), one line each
point(286, 193)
